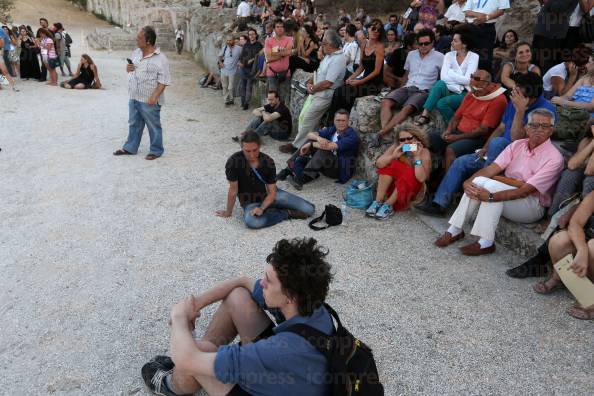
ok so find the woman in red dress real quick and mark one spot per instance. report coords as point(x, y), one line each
point(403, 170)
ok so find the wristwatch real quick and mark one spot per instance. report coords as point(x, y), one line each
point(418, 162)
point(491, 198)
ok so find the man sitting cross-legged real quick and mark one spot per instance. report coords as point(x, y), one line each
point(477, 117)
point(573, 241)
point(274, 119)
point(526, 96)
point(328, 77)
point(269, 360)
point(422, 71)
point(331, 151)
point(531, 168)
point(252, 180)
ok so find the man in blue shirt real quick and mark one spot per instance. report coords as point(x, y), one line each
point(527, 96)
point(5, 67)
point(268, 360)
point(331, 151)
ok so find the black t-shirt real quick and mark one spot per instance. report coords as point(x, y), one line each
point(251, 188)
point(396, 61)
point(285, 115)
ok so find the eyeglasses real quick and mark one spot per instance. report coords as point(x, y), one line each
point(425, 43)
point(406, 139)
point(536, 125)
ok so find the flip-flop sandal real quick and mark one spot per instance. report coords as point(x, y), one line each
point(584, 313)
point(422, 120)
point(542, 288)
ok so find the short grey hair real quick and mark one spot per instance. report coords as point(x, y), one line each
point(542, 112)
point(332, 38)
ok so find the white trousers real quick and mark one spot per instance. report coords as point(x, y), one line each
point(228, 83)
point(525, 210)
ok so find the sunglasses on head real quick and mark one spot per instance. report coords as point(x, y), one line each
point(406, 139)
point(425, 43)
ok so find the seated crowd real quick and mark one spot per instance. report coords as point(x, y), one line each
point(474, 125)
point(464, 123)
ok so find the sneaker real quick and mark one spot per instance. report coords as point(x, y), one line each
point(372, 209)
point(154, 373)
point(283, 174)
point(384, 212)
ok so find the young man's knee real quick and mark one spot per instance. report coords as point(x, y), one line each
point(239, 298)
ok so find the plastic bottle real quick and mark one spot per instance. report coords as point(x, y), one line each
point(343, 209)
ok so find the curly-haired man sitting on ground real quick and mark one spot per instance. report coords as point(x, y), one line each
point(268, 360)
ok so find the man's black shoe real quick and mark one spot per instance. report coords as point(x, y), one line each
point(431, 208)
point(154, 373)
point(245, 106)
point(283, 174)
point(534, 267)
point(296, 183)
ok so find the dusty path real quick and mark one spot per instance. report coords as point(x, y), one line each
point(95, 249)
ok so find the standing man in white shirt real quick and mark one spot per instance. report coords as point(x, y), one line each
point(179, 39)
point(148, 76)
point(482, 15)
point(243, 13)
point(455, 13)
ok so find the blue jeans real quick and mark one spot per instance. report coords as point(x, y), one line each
point(139, 115)
point(464, 167)
point(277, 212)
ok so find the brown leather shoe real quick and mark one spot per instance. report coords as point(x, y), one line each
point(447, 239)
point(297, 214)
point(150, 157)
point(121, 152)
point(287, 148)
point(474, 249)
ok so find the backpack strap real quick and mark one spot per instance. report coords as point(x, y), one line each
point(321, 341)
point(317, 220)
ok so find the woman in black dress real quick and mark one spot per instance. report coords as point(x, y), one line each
point(29, 63)
point(86, 76)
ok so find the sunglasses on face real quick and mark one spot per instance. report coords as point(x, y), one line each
point(406, 139)
point(425, 43)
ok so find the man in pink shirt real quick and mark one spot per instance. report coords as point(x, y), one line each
point(531, 168)
point(278, 50)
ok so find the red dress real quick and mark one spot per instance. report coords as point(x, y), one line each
point(405, 182)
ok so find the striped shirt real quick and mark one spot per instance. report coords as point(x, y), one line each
point(148, 73)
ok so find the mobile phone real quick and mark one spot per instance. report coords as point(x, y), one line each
point(129, 61)
point(409, 147)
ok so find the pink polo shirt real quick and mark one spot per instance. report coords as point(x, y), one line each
point(540, 167)
point(281, 65)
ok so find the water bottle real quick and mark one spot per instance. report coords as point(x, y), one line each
point(343, 209)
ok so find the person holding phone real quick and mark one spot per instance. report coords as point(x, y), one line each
point(403, 170)
point(148, 76)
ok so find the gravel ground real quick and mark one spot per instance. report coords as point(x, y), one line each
point(95, 249)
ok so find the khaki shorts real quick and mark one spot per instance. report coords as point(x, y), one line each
point(411, 96)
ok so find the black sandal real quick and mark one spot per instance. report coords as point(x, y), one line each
point(121, 152)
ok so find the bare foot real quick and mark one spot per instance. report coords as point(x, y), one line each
point(578, 312)
point(549, 286)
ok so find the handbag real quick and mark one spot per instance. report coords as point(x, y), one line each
point(333, 217)
point(359, 194)
point(587, 28)
point(571, 123)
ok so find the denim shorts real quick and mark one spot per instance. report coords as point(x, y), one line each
point(53, 63)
